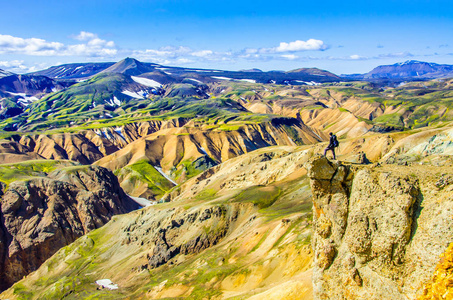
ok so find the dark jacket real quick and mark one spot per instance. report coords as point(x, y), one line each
point(332, 141)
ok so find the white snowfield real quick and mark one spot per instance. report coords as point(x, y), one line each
point(142, 201)
point(221, 78)
point(25, 100)
point(248, 80)
point(107, 284)
point(146, 81)
point(117, 102)
point(308, 82)
point(227, 78)
point(113, 101)
point(196, 80)
point(16, 94)
point(118, 131)
point(203, 150)
point(133, 94)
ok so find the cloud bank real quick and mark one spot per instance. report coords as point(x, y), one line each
point(92, 46)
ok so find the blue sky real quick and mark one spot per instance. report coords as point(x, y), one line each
point(340, 36)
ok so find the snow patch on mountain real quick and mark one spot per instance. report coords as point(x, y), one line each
point(196, 80)
point(146, 81)
point(17, 94)
point(116, 101)
point(107, 284)
point(135, 95)
point(222, 78)
point(204, 151)
point(24, 99)
point(118, 131)
point(142, 201)
point(308, 82)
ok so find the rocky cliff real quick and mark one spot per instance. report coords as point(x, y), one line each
point(441, 284)
point(41, 215)
point(378, 230)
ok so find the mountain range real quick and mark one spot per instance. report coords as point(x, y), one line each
point(409, 70)
point(130, 66)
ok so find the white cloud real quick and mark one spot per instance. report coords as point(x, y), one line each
point(380, 56)
point(18, 66)
point(11, 64)
point(355, 57)
point(182, 55)
point(289, 56)
point(162, 53)
point(184, 61)
point(296, 46)
point(202, 53)
point(32, 46)
point(85, 36)
point(93, 46)
point(251, 50)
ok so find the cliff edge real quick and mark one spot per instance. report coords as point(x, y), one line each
point(378, 230)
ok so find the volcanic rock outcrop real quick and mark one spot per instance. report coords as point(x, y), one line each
point(41, 215)
point(378, 231)
point(441, 284)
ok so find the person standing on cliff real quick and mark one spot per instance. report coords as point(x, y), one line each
point(333, 143)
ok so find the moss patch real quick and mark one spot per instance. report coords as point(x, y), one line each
point(261, 196)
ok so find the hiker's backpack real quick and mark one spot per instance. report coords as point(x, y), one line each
point(335, 141)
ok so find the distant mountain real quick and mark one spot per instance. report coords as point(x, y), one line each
point(313, 71)
point(74, 71)
point(296, 77)
point(251, 70)
point(409, 70)
point(19, 91)
point(131, 66)
point(4, 73)
point(30, 85)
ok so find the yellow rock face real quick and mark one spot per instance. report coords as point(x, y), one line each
point(441, 285)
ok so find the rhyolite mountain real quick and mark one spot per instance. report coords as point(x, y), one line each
point(409, 70)
point(245, 228)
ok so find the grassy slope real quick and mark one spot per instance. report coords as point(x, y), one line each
point(20, 171)
point(413, 105)
point(143, 173)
